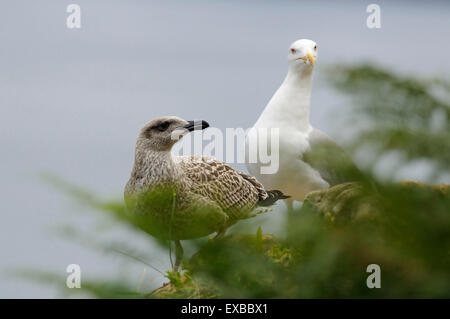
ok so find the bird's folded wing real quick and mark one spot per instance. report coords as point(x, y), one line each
point(330, 160)
point(235, 192)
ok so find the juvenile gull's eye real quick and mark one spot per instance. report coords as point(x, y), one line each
point(163, 126)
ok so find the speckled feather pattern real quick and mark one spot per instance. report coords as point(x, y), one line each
point(210, 195)
point(235, 192)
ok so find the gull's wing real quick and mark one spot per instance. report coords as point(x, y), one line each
point(234, 191)
point(324, 155)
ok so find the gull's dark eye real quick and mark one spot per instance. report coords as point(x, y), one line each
point(293, 50)
point(163, 126)
point(315, 47)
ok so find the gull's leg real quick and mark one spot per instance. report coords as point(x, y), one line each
point(220, 234)
point(178, 255)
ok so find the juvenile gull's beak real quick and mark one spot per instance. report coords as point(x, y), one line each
point(196, 125)
point(181, 131)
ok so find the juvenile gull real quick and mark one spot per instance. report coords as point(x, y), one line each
point(185, 197)
point(308, 159)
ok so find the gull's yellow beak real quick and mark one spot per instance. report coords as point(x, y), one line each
point(311, 59)
point(308, 57)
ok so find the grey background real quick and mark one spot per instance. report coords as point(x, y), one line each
point(72, 101)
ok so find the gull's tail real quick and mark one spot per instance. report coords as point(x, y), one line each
point(272, 197)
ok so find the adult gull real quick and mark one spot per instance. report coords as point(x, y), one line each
point(308, 159)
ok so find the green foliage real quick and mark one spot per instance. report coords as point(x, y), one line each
point(398, 112)
point(329, 242)
point(174, 278)
point(186, 287)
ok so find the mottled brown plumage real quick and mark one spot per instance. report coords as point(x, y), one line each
point(195, 195)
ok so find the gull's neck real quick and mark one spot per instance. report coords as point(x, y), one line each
point(290, 104)
point(153, 168)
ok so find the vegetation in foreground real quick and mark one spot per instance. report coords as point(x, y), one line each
point(402, 227)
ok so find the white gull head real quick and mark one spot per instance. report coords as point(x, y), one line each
point(302, 55)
